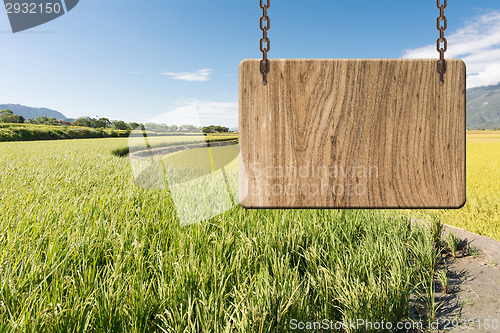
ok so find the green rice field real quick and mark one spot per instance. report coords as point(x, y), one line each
point(84, 249)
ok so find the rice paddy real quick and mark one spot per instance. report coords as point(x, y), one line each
point(481, 213)
point(84, 249)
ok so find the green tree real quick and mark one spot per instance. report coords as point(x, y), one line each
point(100, 123)
point(7, 116)
point(52, 121)
point(83, 122)
point(156, 127)
point(120, 125)
point(215, 129)
point(134, 125)
point(208, 129)
point(41, 120)
point(5, 113)
point(189, 128)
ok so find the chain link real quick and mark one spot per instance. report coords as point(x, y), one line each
point(442, 43)
point(265, 43)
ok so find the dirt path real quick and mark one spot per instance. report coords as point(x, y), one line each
point(145, 153)
point(474, 297)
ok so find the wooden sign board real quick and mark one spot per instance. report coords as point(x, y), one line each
point(352, 133)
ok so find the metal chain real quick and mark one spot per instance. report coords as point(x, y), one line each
point(265, 43)
point(442, 43)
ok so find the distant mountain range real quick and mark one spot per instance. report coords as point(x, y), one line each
point(31, 113)
point(483, 109)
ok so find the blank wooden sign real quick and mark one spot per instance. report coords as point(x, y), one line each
point(340, 133)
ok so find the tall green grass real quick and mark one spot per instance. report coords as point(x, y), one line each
point(82, 248)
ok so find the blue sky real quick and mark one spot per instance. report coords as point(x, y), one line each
point(140, 59)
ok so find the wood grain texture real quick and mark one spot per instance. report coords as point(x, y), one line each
point(352, 133)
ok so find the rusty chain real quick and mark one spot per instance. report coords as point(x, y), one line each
point(442, 43)
point(265, 43)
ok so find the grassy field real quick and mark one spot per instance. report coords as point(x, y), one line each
point(167, 140)
point(481, 213)
point(137, 142)
point(30, 132)
point(82, 248)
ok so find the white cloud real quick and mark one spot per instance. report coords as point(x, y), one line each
point(201, 114)
point(199, 76)
point(478, 44)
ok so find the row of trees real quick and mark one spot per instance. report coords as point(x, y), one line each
point(185, 128)
point(215, 129)
point(171, 128)
point(105, 123)
point(7, 116)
